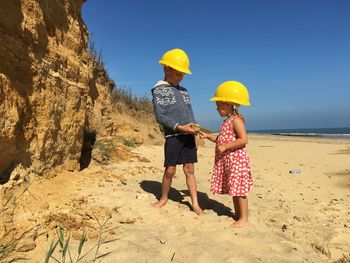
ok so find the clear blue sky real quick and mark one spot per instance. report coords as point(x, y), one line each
point(293, 56)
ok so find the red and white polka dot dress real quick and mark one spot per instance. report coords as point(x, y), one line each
point(231, 173)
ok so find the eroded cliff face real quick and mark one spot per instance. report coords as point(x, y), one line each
point(49, 91)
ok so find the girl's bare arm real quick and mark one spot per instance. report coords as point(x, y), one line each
point(209, 136)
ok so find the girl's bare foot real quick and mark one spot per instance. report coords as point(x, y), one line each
point(240, 224)
point(159, 204)
point(198, 210)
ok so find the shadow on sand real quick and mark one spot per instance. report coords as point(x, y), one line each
point(205, 202)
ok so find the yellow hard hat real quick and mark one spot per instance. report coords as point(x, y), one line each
point(176, 59)
point(232, 91)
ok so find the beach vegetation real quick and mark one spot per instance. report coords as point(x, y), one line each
point(123, 99)
point(129, 142)
point(9, 246)
point(61, 250)
point(106, 147)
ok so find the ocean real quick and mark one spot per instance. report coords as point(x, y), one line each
point(343, 132)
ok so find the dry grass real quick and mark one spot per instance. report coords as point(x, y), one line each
point(9, 247)
point(122, 97)
point(60, 250)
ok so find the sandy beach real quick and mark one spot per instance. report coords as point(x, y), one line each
point(300, 217)
point(83, 118)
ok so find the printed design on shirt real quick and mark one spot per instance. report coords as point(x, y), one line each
point(185, 97)
point(164, 96)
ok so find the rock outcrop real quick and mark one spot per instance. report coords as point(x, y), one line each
point(50, 92)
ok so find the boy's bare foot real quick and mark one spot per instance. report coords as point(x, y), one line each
point(159, 204)
point(198, 210)
point(240, 224)
point(235, 217)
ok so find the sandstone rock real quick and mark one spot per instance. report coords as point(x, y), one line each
point(139, 141)
point(50, 91)
point(70, 165)
point(26, 245)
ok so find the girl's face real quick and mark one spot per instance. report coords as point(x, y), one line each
point(224, 108)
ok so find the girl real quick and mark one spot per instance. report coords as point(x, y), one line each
point(231, 173)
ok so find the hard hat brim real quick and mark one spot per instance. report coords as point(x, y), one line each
point(183, 70)
point(230, 100)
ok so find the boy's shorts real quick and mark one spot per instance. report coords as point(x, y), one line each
point(180, 150)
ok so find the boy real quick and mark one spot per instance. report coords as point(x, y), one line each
point(173, 110)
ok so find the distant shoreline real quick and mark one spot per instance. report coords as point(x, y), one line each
point(329, 133)
point(304, 135)
point(306, 139)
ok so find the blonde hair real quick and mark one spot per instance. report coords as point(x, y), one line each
point(235, 107)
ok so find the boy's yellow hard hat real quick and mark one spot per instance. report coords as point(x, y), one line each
point(232, 91)
point(176, 59)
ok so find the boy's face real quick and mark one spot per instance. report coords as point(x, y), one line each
point(173, 76)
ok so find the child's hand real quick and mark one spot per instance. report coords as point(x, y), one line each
point(196, 127)
point(186, 128)
point(221, 148)
point(210, 136)
point(203, 135)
